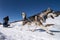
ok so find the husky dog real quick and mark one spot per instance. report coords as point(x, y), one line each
point(37, 20)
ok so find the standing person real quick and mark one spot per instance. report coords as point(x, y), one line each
point(5, 23)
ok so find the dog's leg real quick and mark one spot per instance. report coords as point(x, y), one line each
point(24, 22)
point(49, 25)
point(36, 22)
point(21, 28)
point(44, 28)
point(29, 24)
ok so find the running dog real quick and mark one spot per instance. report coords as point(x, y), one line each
point(36, 21)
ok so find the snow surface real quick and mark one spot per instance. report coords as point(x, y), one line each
point(15, 32)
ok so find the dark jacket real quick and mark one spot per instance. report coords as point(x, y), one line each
point(6, 19)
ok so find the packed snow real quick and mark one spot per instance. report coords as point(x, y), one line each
point(17, 31)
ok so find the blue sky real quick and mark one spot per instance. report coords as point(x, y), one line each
point(14, 8)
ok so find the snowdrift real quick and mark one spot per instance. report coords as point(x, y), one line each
point(15, 32)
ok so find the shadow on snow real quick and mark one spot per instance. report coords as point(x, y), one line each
point(41, 30)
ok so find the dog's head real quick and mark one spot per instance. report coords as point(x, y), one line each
point(52, 15)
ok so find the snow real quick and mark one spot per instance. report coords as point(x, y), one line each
point(15, 32)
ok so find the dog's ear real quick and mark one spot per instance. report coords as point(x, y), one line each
point(49, 9)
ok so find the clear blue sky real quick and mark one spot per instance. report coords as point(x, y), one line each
point(14, 8)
